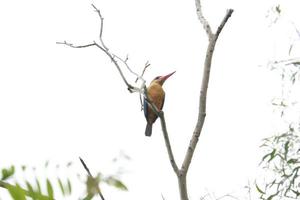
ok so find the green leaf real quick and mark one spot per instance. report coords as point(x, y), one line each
point(265, 156)
point(46, 163)
point(23, 167)
point(7, 173)
point(88, 197)
point(292, 161)
point(92, 185)
point(16, 192)
point(272, 155)
point(49, 189)
point(116, 183)
point(286, 148)
point(38, 185)
point(297, 193)
point(69, 164)
point(31, 192)
point(69, 186)
point(278, 9)
point(61, 186)
point(273, 195)
point(258, 189)
point(296, 63)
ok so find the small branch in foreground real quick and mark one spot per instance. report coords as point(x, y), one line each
point(90, 175)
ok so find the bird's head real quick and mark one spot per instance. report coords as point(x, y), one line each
point(161, 79)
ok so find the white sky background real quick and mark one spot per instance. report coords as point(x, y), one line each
point(59, 103)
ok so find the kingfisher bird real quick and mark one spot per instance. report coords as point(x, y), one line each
point(156, 95)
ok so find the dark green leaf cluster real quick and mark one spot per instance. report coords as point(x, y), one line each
point(283, 159)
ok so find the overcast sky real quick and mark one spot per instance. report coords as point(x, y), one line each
point(58, 103)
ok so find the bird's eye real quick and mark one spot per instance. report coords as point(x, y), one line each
point(156, 78)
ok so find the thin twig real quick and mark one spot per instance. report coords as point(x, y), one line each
point(101, 26)
point(225, 19)
point(91, 176)
point(129, 86)
point(143, 72)
point(85, 167)
point(126, 64)
point(286, 61)
point(76, 46)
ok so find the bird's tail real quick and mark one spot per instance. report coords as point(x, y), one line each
point(148, 131)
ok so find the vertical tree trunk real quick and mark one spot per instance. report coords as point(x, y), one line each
point(182, 185)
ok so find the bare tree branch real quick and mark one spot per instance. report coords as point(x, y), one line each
point(203, 93)
point(212, 37)
point(126, 64)
point(147, 64)
point(167, 142)
point(76, 46)
point(112, 56)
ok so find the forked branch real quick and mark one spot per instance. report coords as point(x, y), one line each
point(212, 37)
point(204, 85)
point(112, 56)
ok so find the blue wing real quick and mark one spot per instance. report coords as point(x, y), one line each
point(145, 108)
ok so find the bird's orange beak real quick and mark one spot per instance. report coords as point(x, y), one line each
point(167, 76)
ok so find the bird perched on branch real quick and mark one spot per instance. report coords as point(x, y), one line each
point(156, 95)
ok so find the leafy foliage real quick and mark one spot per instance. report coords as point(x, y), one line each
point(282, 157)
point(52, 186)
point(16, 192)
point(283, 160)
point(7, 173)
point(113, 181)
